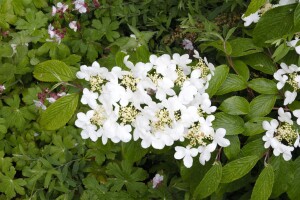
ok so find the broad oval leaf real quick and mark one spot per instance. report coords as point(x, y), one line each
point(238, 168)
point(210, 182)
point(235, 106)
point(261, 105)
point(242, 69)
point(263, 86)
point(233, 124)
point(233, 150)
point(53, 71)
point(217, 80)
point(254, 6)
point(264, 184)
point(232, 83)
point(260, 62)
point(59, 113)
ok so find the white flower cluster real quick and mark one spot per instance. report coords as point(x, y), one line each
point(158, 102)
point(282, 135)
point(290, 76)
point(254, 17)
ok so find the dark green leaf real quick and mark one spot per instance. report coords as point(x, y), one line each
point(254, 148)
point(241, 69)
point(233, 124)
point(243, 46)
point(261, 105)
point(235, 106)
point(261, 62)
point(263, 86)
point(231, 84)
point(263, 187)
point(217, 80)
point(233, 150)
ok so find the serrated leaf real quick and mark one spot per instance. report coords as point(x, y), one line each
point(233, 124)
point(263, 186)
point(238, 168)
point(53, 71)
point(59, 113)
point(254, 6)
point(261, 62)
point(283, 15)
point(261, 105)
point(263, 86)
point(133, 151)
point(235, 106)
point(231, 84)
point(233, 150)
point(217, 80)
point(210, 182)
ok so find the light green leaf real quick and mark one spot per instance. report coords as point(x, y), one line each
point(254, 6)
point(59, 113)
point(241, 69)
point(53, 71)
point(231, 84)
point(217, 80)
point(280, 52)
point(233, 124)
point(297, 16)
point(238, 168)
point(210, 182)
point(263, 86)
point(263, 187)
point(261, 105)
point(280, 20)
point(235, 105)
point(254, 126)
point(133, 152)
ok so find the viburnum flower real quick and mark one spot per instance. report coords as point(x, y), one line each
point(252, 18)
point(296, 113)
point(289, 97)
point(205, 152)
point(89, 98)
point(219, 138)
point(187, 153)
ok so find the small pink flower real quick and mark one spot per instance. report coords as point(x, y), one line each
point(73, 25)
point(157, 180)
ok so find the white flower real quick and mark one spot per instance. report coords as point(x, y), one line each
point(164, 88)
point(289, 97)
point(94, 70)
point(89, 98)
point(205, 152)
point(187, 153)
point(206, 125)
point(51, 99)
point(286, 152)
point(187, 44)
point(296, 113)
point(293, 43)
point(281, 77)
point(270, 140)
point(196, 80)
point(60, 8)
point(182, 62)
point(284, 116)
point(157, 180)
point(187, 93)
point(286, 2)
point(270, 127)
point(219, 138)
point(252, 18)
point(73, 25)
point(80, 6)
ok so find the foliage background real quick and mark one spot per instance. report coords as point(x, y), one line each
point(57, 164)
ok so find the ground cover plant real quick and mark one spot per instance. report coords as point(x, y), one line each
point(149, 99)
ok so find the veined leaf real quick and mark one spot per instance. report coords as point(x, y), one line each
point(59, 113)
point(263, 187)
point(235, 106)
point(217, 80)
point(233, 124)
point(261, 105)
point(53, 71)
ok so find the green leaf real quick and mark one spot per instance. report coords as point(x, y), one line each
point(233, 124)
point(210, 182)
point(238, 168)
point(254, 148)
point(261, 62)
point(254, 126)
point(241, 69)
point(284, 172)
point(133, 152)
point(280, 52)
point(7, 72)
point(297, 16)
point(53, 71)
point(235, 106)
point(263, 187)
point(254, 6)
point(231, 84)
point(263, 86)
point(217, 80)
point(119, 59)
point(283, 15)
point(293, 190)
point(261, 105)
point(11, 186)
point(233, 150)
point(243, 46)
point(34, 21)
point(59, 113)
